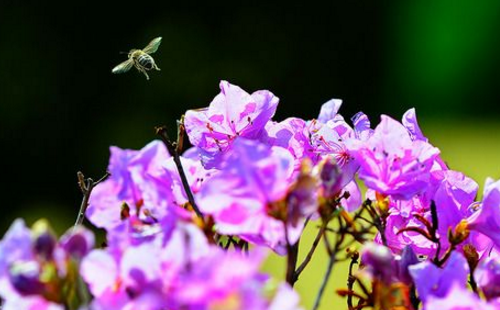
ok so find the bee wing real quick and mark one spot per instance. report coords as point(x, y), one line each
point(152, 46)
point(123, 67)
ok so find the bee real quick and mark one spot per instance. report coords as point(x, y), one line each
point(140, 59)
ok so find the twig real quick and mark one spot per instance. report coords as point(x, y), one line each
point(172, 149)
point(292, 253)
point(472, 282)
point(351, 279)
point(447, 254)
point(309, 255)
point(86, 186)
point(329, 269)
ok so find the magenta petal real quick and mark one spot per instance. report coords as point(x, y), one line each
point(285, 299)
point(354, 201)
point(391, 163)
point(254, 177)
point(487, 219)
point(99, 269)
point(329, 111)
point(410, 122)
point(233, 113)
point(433, 281)
point(458, 298)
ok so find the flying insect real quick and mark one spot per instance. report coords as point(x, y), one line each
point(140, 59)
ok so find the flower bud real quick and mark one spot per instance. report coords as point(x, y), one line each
point(78, 242)
point(382, 204)
point(487, 276)
point(460, 234)
point(471, 255)
point(45, 239)
point(378, 261)
point(407, 259)
point(330, 177)
point(301, 200)
point(25, 277)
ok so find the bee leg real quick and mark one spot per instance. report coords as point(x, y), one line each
point(156, 67)
point(143, 72)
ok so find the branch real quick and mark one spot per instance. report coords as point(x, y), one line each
point(309, 255)
point(351, 279)
point(161, 131)
point(86, 186)
point(292, 253)
point(329, 269)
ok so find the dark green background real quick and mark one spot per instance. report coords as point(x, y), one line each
point(61, 108)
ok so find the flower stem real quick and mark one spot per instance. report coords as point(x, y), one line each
point(291, 263)
point(333, 258)
point(309, 255)
point(86, 186)
point(161, 131)
point(329, 270)
point(350, 281)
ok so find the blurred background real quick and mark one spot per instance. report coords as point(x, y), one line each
point(61, 108)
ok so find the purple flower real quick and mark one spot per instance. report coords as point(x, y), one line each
point(37, 271)
point(382, 265)
point(487, 276)
point(434, 281)
point(196, 175)
point(130, 281)
point(233, 113)
point(401, 215)
point(249, 196)
point(328, 142)
point(30, 302)
point(285, 299)
point(229, 281)
point(408, 258)
point(393, 164)
point(291, 134)
point(458, 298)
point(178, 276)
point(333, 182)
point(378, 262)
point(486, 219)
point(411, 123)
point(329, 111)
point(454, 193)
point(362, 126)
point(135, 184)
point(77, 242)
point(142, 276)
point(220, 278)
point(123, 273)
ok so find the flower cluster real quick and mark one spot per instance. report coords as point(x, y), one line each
point(189, 229)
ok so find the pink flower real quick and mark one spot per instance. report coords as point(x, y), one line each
point(249, 196)
point(293, 135)
point(486, 218)
point(230, 281)
point(134, 183)
point(458, 298)
point(391, 162)
point(432, 281)
point(37, 271)
point(233, 113)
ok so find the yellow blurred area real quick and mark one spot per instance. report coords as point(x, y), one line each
point(472, 147)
